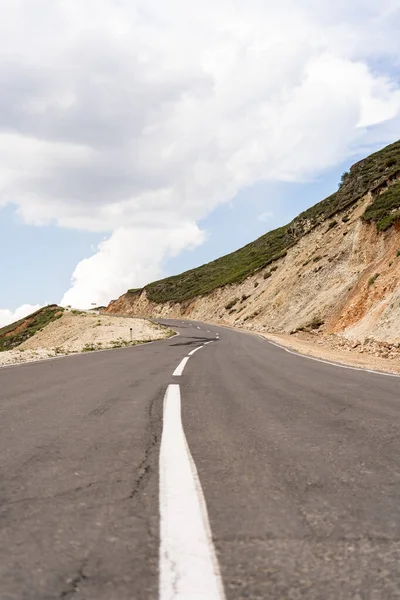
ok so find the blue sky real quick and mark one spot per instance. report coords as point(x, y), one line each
point(231, 227)
point(142, 138)
point(37, 262)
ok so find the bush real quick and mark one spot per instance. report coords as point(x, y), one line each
point(343, 178)
point(346, 219)
point(398, 253)
point(387, 221)
point(231, 304)
point(332, 224)
point(316, 323)
point(372, 279)
point(267, 274)
point(385, 208)
point(88, 348)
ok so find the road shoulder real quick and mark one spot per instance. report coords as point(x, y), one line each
point(320, 348)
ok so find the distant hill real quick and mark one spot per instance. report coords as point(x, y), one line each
point(15, 334)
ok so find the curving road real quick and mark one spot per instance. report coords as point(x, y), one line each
point(278, 477)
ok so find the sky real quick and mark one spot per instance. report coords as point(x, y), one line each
point(140, 138)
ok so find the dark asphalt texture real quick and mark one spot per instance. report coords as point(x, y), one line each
point(299, 463)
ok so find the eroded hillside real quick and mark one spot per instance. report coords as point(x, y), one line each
point(333, 269)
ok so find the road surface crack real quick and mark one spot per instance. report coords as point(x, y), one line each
point(67, 492)
point(144, 468)
point(73, 584)
point(144, 471)
point(174, 571)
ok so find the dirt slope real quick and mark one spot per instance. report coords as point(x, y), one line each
point(324, 282)
point(339, 279)
point(79, 331)
point(76, 331)
point(15, 334)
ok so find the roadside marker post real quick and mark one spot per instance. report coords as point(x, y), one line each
point(131, 333)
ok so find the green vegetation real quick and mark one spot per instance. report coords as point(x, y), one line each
point(343, 178)
point(233, 268)
point(369, 175)
point(385, 209)
point(13, 335)
point(231, 303)
point(315, 323)
point(388, 221)
point(398, 253)
point(89, 348)
point(332, 224)
point(120, 343)
point(372, 279)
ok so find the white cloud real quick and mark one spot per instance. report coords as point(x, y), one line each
point(130, 255)
point(265, 216)
point(138, 118)
point(7, 316)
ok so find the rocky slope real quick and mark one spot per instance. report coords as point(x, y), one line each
point(15, 334)
point(74, 331)
point(333, 270)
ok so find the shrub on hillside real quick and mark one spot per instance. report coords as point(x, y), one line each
point(231, 304)
point(372, 279)
point(332, 224)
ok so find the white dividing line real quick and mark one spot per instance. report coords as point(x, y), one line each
point(195, 350)
point(198, 327)
point(210, 342)
point(179, 369)
point(188, 564)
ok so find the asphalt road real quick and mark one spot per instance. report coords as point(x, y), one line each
point(298, 461)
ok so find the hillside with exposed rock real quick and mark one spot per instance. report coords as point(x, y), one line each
point(334, 270)
point(54, 331)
